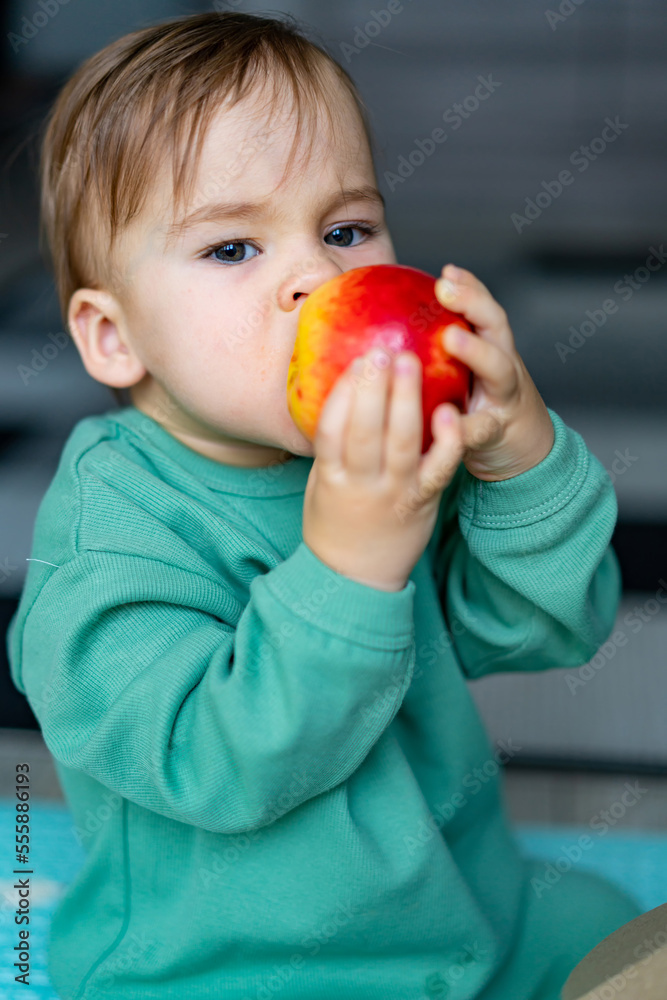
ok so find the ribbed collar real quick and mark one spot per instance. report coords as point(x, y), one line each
point(279, 479)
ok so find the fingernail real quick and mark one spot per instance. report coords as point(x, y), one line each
point(379, 358)
point(447, 289)
point(404, 364)
point(445, 416)
point(453, 337)
point(453, 271)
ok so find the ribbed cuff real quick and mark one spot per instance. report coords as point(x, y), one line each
point(314, 592)
point(534, 494)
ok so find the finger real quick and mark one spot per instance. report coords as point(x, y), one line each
point(443, 458)
point(328, 442)
point(405, 421)
point(487, 360)
point(471, 298)
point(364, 436)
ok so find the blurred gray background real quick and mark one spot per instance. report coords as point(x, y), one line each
point(557, 80)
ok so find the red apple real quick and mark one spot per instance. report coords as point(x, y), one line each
point(388, 305)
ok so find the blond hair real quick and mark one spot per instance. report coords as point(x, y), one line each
point(149, 95)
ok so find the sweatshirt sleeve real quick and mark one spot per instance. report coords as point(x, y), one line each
point(527, 579)
point(139, 678)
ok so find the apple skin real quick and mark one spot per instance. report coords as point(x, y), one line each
point(389, 305)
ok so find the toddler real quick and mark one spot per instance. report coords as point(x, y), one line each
point(248, 653)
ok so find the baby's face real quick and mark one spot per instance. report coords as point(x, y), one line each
point(213, 312)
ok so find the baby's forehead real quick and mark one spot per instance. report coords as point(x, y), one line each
point(245, 148)
point(248, 128)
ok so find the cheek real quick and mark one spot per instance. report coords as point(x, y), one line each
point(155, 320)
point(263, 365)
point(267, 367)
point(190, 327)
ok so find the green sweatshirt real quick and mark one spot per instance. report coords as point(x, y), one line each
point(280, 778)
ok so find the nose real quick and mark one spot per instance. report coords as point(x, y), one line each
point(303, 278)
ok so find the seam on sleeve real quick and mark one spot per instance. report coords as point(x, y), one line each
point(535, 513)
point(79, 501)
point(406, 638)
point(122, 555)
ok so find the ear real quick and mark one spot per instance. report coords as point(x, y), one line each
point(97, 325)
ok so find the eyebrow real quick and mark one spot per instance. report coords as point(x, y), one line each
point(250, 211)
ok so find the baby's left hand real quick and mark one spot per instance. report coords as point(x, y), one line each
point(506, 429)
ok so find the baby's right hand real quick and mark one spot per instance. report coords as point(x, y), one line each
point(371, 501)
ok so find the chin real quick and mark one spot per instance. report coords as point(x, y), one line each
point(305, 450)
point(290, 438)
point(300, 445)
